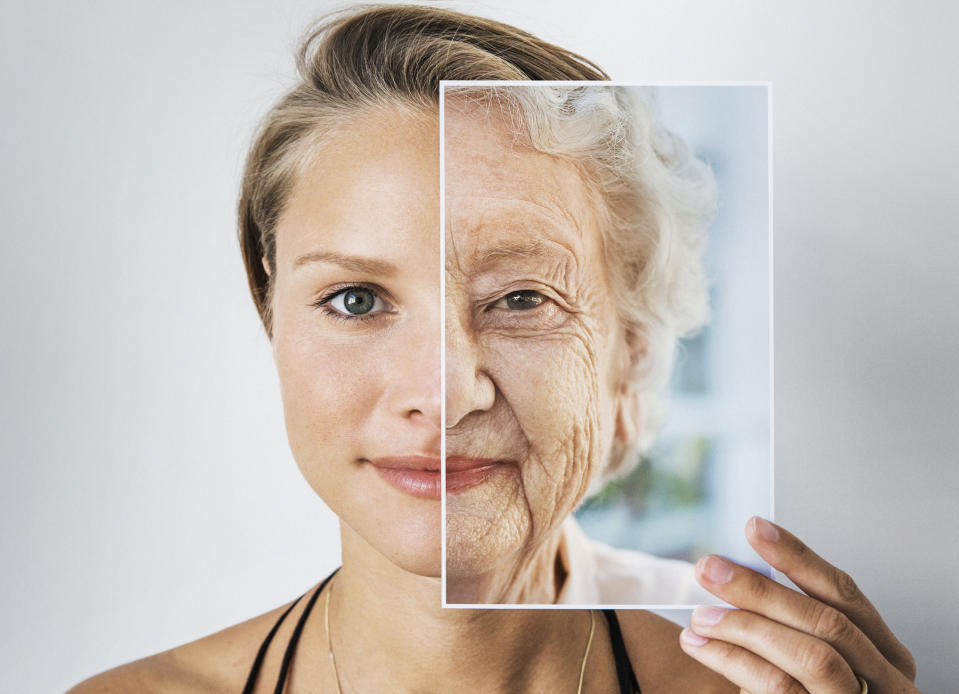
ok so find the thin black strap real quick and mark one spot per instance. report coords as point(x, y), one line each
point(624, 669)
point(295, 638)
point(261, 654)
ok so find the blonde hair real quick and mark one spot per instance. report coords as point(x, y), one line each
point(389, 55)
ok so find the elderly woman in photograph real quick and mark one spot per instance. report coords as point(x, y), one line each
point(575, 229)
point(339, 226)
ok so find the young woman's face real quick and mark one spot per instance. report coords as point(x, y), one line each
point(356, 332)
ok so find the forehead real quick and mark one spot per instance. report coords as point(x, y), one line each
point(501, 194)
point(372, 187)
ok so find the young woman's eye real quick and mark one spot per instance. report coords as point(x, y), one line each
point(522, 300)
point(357, 301)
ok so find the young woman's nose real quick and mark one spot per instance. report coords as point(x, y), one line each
point(417, 392)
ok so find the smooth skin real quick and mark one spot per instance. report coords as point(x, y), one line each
point(781, 640)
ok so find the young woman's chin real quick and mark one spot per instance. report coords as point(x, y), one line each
point(410, 541)
point(383, 523)
point(417, 554)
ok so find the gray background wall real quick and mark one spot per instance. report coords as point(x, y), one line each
point(148, 494)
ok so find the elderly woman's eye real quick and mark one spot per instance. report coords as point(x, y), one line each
point(355, 302)
point(520, 301)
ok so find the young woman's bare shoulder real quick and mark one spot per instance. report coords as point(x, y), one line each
point(214, 664)
point(659, 663)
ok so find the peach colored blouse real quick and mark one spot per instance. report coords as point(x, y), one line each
point(598, 574)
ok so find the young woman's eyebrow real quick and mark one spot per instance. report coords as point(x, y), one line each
point(354, 263)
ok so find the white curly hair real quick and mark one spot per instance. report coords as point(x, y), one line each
point(654, 199)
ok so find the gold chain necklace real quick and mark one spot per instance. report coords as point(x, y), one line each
point(336, 677)
point(329, 642)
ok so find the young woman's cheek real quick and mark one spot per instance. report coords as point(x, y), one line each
point(323, 388)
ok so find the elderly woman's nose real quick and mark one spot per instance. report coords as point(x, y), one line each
point(468, 387)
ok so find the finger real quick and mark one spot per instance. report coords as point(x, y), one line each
point(810, 661)
point(823, 581)
point(759, 594)
point(744, 669)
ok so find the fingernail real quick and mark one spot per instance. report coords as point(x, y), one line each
point(765, 529)
point(690, 637)
point(717, 569)
point(707, 615)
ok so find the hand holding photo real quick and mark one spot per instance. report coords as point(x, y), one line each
point(577, 266)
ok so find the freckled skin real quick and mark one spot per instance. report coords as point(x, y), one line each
point(533, 387)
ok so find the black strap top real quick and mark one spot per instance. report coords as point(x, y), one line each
point(624, 670)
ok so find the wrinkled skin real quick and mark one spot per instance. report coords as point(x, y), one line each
point(537, 388)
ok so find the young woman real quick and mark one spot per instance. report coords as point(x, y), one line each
point(339, 227)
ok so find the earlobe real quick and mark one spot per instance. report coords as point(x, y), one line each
point(631, 405)
point(629, 416)
point(269, 273)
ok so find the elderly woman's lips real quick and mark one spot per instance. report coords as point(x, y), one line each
point(415, 475)
point(462, 473)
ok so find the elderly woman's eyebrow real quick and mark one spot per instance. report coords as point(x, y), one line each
point(353, 263)
point(523, 248)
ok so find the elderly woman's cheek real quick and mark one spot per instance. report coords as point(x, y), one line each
point(485, 526)
point(552, 384)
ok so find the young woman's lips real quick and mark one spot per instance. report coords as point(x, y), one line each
point(463, 473)
point(415, 475)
